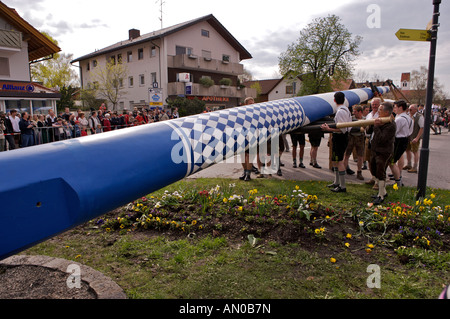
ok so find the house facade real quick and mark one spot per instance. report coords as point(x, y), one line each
point(275, 89)
point(20, 45)
point(195, 59)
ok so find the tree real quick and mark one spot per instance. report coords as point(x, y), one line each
point(322, 43)
point(66, 98)
point(55, 72)
point(419, 80)
point(108, 82)
point(186, 106)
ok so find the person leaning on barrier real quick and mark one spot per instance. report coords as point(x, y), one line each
point(2, 132)
point(340, 142)
point(382, 150)
point(26, 129)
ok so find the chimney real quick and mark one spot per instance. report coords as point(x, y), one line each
point(133, 34)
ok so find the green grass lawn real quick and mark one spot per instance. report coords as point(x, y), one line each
point(220, 238)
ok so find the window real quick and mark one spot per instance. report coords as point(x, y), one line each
point(140, 54)
point(94, 63)
point(119, 58)
point(130, 82)
point(289, 89)
point(179, 50)
point(154, 80)
point(205, 33)
point(4, 67)
point(88, 66)
point(121, 83)
point(141, 79)
point(206, 55)
point(129, 56)
point(112, 60)
point(225, 58)
point(153, 51)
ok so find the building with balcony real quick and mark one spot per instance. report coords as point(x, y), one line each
point(20, 45)
point(195, 59)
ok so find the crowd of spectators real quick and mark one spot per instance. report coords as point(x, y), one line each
point(19, 130)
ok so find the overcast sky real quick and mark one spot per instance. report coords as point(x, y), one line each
point(265, 28)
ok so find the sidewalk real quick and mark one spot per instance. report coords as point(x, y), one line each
point(234, 170)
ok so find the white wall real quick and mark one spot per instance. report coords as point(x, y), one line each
point(18, 63)
point(279, 92)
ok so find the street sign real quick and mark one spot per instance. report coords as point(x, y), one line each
point(155, 96)
point(413, 35)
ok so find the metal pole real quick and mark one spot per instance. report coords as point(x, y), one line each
point(425, 151)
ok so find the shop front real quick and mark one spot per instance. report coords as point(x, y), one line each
point(27, 97)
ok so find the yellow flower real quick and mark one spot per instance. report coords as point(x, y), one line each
point(225, 200)
point(432, 196)
point(349, 236)
point(361, 223)
point(194, 222)
point(395, 187)
point(333, 260)
point(370, 246)
point(347, 245)
point(77, 256)
point(108, 230)
point(240, 208)
point(297, 187)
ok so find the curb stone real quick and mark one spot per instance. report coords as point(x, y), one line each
point(104, 287)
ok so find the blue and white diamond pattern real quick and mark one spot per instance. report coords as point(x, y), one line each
point(216, 136)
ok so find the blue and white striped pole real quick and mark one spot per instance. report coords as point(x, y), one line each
point(50, 188)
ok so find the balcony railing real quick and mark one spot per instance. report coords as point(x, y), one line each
point(178, 88)
point(185, 61)
point(10, 39)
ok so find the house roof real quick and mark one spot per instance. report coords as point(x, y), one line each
point(266, 85)
point(39, 45)
point(343, 85)
point(244, 54)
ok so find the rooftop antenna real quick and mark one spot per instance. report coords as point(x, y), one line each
point(161, 3)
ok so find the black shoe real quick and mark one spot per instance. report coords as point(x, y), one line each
point(242, 177)
point(316, 165)
point(364, 167)
point(255, 169)
point(247, 177)
point(279, 172)
point(350, 172)
point(333, 185)
point(281, 164)
point(301, 165)
point(378, 200)
point(339, 189)
point(376, 196)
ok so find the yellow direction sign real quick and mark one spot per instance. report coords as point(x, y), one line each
point(413, 35)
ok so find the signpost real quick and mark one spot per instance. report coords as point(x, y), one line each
point(430, 34)
point(155, 97)
point(413, 35)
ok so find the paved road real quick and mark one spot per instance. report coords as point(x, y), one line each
point(438, 169)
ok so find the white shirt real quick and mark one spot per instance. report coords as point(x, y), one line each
point(404, 125)
point(15, 123)
point(342, 116)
